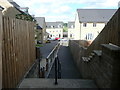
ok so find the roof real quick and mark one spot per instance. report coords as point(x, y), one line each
point(71, 24)
point(54, 24)
point(1, 8)
point(38, 27)
point(13, 3)
point(95, 15)
point(5, 4)
point(40, 21)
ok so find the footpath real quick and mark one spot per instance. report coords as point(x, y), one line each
point(47, 48)
point(68, 68)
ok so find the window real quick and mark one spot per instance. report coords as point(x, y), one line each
point(89, 36)
point(84, 24)
point(59, 35)
point(94, 24)
point(72, 26)
point(52, 26)
point(70, 35)
point(59, 26)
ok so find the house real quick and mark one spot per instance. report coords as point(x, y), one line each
point(41, 29)
point(24, 9)
point(13, 10)
point(8, 9)
point(13, 3)
point(71, 30)
point(54, 29)
point(1, 8)
point(90, 22)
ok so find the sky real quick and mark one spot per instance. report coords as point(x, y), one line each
point(63, 10)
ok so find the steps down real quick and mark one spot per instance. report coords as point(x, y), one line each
point(62, 83)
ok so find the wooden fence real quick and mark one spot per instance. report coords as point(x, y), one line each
point(1, 31)
point(18, 50)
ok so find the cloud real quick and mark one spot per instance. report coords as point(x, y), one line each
point(64, 18)
point(62, 9)
point(55, 10)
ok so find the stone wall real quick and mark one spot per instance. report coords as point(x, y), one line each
point(100, 61)
point(102, 65)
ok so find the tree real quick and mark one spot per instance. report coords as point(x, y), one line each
point(65, 28)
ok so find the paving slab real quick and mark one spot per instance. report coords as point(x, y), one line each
point(62, 83)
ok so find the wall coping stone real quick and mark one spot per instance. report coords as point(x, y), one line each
point(98, 52)
point(112, 47)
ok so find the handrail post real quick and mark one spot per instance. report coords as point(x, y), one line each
point(56, 74)
point(59, 68)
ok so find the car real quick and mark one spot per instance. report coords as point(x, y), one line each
point(51, 39)
point(63, 39)
point(48, 41)
point(39, 42)
point(57, 38)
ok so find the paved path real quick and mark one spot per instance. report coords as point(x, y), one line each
point(47, 48)
point(68, 68)
point(63, 84)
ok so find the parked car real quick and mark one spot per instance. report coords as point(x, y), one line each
point(51, 39)
point(48, 41)
point(39, 42)
point(57, 38)
point(63, 39)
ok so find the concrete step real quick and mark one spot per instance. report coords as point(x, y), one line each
point(85, 59)
point(62, 83)
point(97, 52)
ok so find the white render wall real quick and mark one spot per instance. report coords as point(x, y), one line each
point(80, 32)
point(55, 32)
point(90, 29)
point(77, 28)
point(71, 31)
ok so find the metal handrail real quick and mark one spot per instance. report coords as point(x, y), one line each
point(51, 58)
point(57, 70)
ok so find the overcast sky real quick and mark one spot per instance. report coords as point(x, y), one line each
point(63, 10)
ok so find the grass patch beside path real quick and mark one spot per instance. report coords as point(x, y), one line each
point(39, 45)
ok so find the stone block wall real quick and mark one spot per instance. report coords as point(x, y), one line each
point(102, 66)
point(100, 61)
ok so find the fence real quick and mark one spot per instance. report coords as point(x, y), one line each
point(18, 50)
point(0, 50)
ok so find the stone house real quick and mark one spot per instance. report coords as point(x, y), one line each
point(8, 8)
point(90, 22)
